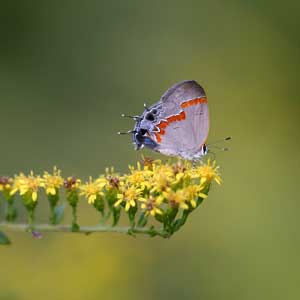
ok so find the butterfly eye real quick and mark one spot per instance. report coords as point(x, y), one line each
point(142, 131)
point(150, 117)
point(154, 111)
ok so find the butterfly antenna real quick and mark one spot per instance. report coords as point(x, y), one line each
point(126, 132)
point(220, 149)
point(146, 107)
point(136, 118)
point(220, 141)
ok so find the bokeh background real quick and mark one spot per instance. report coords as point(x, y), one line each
point(68, 69)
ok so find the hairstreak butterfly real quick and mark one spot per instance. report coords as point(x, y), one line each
point(177, 125)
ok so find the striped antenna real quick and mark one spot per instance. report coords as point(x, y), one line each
point(126, 132)
point(220, 141)
point(136, 118)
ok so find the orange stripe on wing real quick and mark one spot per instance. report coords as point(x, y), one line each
point(164, 124)
point(194, 102)
point(180, 117)
point(158, 137)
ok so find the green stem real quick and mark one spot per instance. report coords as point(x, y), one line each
point(11, 213)
point(52, 214)
point(75, 227)
point(30, 217)
point(83, 229)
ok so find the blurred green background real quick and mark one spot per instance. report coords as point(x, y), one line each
point(68, 69)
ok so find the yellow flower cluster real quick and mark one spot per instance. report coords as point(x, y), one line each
point(92, 189)
point(208, 172)
point(30, 185)
point(153, 186)
point(52, 182)
point(5, 183)
point(27, 185)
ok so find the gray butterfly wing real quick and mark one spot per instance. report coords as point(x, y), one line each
point(183, 120)
point(183, 91)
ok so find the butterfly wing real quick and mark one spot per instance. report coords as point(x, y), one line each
point(183, 122)
point(183, 91)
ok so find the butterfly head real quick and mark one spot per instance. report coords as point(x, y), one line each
point(143, 126)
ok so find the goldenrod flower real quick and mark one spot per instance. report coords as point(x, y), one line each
point(151, 205)
point(114, 182)
point(72, 183)
point(27, 184)
point(193, 192)
point(176, 199)
point(182, 177)
point(129, 195)
point(102, 182)
point(6, 183)
point(139, 177)
point(92, 189)
point(166, 191)
point(164, 168)
point(52, 182)
point(208, 172)
point(182, 172)
point(147, 162)
point(163, 177)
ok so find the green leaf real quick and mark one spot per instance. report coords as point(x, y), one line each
point(53, 199)
point(11, 212)
point(99, 204)
point(142, 220)
point(59, 213)
point(28, 201)
point(171, 214)
point(160, 218)
point(4, 240)
point(199, 201)
point(176, 225)
point(131, 214)
point(111, 196)
point(116, 215)
point(180, 222)
point(72, 197)
point(152, 231)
